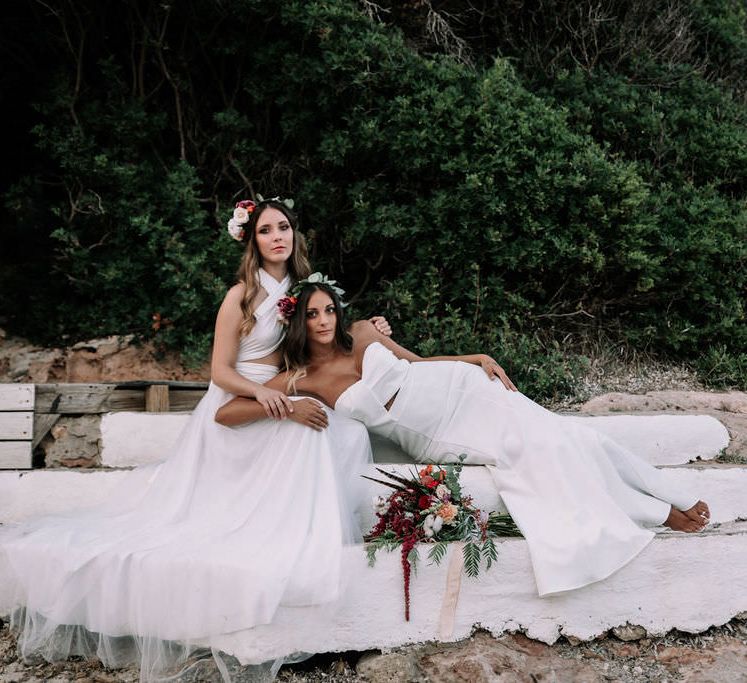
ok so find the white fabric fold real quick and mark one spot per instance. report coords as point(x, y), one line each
point(581, 500)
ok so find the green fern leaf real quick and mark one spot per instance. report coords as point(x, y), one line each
point(471, 559)
point(489, 552)
point(437, 552)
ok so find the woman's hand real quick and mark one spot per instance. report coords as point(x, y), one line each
point(276, 404)
point(492, 369)
point(308, 412)
point(381, 324)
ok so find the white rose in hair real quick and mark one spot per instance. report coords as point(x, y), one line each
point(240, 215)
point(235, 230)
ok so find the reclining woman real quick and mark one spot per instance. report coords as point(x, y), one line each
point(581, 500)
point(230, 527)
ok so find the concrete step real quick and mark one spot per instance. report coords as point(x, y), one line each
point(25, 494)
point(680, 581)
point(659, 439)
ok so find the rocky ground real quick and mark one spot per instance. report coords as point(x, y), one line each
point(717, 656)
point(626, 654)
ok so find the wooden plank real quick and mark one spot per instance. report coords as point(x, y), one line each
point(185, 400)
point(43, 422)
point(16, 396)
point(170, 383)
point(157, 398)
point(83, 399)
point(124, 400)
point(15, 455)
point(72, 398)
point(16, 426)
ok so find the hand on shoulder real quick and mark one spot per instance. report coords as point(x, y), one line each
point(364, 332)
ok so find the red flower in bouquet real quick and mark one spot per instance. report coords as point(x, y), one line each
point(426, 471)
point(430, 482)
point(424, 502)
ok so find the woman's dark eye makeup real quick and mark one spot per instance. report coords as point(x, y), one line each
point(312, 312)
point(265, 229)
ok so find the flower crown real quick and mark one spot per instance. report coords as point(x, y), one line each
point(246, 208)
point(287, 305)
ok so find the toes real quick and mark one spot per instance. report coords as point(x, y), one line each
point(692, 514)
point(692, 527)
point(687, 521)
point(698, 513)
point(703, 511)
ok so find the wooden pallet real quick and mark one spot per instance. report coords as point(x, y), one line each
point(28, 411)
point(16, 425)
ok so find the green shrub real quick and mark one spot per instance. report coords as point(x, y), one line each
point(481, 208)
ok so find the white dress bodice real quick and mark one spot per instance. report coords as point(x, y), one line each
point(268, 332)
point(382, 376)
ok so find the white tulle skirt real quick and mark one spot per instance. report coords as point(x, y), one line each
point(233, 524)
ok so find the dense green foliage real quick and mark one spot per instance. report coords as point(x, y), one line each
point(487, 183)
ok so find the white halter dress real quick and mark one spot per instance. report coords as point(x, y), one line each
point(233, 524)
point(580, 499)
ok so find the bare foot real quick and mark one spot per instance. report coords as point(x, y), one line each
point(679, 521)
point(699, 512)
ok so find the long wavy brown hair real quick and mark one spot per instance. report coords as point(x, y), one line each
point(248, 272)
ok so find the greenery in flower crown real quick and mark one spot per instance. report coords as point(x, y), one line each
point(287, 202)
point(315, 279)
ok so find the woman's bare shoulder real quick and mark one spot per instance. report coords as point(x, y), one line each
point(236, 293)
point(234, 297)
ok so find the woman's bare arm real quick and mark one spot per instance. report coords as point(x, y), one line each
point(242, 410)
point(363, 334)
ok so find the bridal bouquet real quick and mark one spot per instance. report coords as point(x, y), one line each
point(430, 507)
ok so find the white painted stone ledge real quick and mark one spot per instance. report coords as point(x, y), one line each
point(684, 581)
point(680, 581)
point(688, 582)
point(25, 494)
point(132, 438)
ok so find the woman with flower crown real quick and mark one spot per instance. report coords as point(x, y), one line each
point(582, 501)
point(234, 524)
